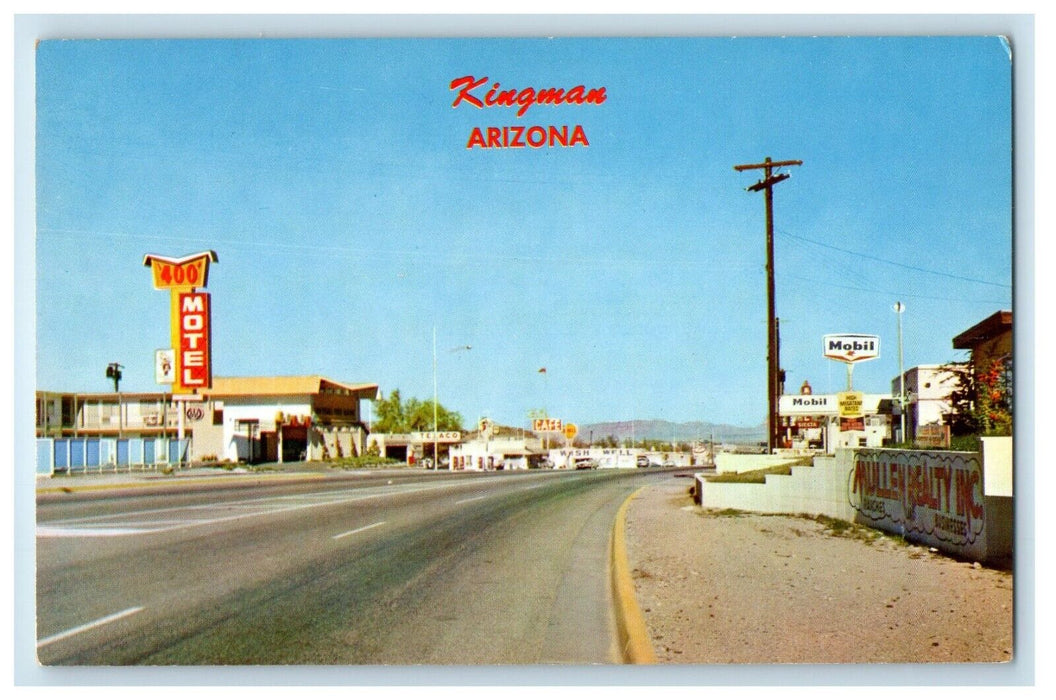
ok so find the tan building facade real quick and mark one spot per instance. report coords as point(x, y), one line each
point(240, 419)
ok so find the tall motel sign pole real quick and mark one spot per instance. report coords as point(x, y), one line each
point(772, 360)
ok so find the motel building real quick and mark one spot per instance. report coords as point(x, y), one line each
point(240, 419)
point(812, 422)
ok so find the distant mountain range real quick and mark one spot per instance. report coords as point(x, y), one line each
point(679, 432)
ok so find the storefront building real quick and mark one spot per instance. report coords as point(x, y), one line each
point(240, 419)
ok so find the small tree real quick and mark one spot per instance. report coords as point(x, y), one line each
point(395, 416)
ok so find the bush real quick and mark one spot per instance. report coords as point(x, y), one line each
point(365, 462)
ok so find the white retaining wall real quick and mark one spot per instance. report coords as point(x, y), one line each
point(821, 489)
point(726, 462)
point(935, 498)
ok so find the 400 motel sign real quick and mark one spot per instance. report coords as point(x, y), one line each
point(189, 318)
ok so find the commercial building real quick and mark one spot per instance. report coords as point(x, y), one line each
point(989, 341)
point(812, 422)
point(928, 389)
point(246, 419)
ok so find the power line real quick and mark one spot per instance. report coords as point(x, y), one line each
point(902, 294)
point(896, 264)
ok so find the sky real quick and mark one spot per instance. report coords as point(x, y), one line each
point(333, 180)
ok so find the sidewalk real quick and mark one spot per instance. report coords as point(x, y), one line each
point(720, 588)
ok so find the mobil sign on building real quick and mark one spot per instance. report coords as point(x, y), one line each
point(187, 365)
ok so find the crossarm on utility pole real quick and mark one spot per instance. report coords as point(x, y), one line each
point(767, 164)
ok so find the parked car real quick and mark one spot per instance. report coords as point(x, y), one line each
point(642, 461)
point(586, 463)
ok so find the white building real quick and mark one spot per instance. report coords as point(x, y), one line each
point(486, 452)
point(812, 421)
point(928, 389)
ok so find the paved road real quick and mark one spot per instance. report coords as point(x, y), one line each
point(491, 568)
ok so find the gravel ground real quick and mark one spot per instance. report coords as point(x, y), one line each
point(720, 588)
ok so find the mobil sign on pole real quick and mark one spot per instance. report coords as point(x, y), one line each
point(852, 347)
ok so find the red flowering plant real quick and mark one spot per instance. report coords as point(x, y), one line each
point(981, 399)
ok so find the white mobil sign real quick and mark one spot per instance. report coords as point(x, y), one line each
point(852, 347)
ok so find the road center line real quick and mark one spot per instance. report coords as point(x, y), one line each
point(360, 529)
point(85, 627)
point(467, 500)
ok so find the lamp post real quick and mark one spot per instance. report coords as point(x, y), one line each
point(113, 371)
point(899, 309)
point(436, 426)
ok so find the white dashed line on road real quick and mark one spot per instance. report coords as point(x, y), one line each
point(88, 626)
point(357, 530)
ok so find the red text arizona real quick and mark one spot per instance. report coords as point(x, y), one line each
point(523, 98)
point(526, 137)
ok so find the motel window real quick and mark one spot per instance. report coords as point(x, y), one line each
point(218, 416)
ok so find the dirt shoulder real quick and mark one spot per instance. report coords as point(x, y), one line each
point(720, 588)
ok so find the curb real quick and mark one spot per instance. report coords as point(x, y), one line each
point(165, 482)
point(630, 622)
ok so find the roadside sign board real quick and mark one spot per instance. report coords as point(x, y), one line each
point(851, 347)
point(852, 424)
point(850, 404)
point(570, 431)
point(546, 425)
point(188, 366)
point(165, 366)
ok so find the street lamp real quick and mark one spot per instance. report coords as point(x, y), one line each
point(899, 308)
point(113, 371)
point(436, 424)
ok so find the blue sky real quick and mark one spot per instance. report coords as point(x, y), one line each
point(333, 181)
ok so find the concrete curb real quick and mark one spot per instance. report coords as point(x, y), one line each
point(161, 482)
point(630, 622)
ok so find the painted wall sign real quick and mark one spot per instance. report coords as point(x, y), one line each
point(931, 497)
point(851, 347)
point(442, 436)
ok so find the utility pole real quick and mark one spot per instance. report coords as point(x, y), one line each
point(772, 360)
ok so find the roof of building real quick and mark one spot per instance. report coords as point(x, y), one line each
point(286, 386)
point(989, 327)
point(248, 386)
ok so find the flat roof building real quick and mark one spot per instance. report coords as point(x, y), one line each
point(247, 419)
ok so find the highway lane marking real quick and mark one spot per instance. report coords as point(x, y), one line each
point(93, 531)
point(91, 527)
point(87, 626)
point(468, 500)
point(360, 529)
point(486, 495)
